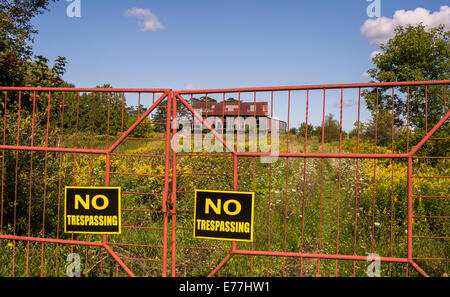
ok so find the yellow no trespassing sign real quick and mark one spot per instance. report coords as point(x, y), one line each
point(94, 210)
point(224, 215)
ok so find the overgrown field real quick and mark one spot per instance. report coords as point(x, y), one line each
point(330, 206)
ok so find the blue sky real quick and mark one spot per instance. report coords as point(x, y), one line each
point(214, 43)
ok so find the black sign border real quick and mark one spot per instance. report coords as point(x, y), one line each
point(119, 218)
point(228, 192)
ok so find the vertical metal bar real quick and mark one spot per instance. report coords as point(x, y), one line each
point(139, 105)
point(306, 127)
point(356, 181)
point(321, 182)
point(107, 172)
point(78, 116)
point(253, 178)
point(45, 180)
point(304, 180)
point(107, 127)
point(107, 183)
point(268, 217)
point(426, 110)
point(192, 115)
point(107, 169)
point(374, 176)
point(339, 178)
point(123, 110)
point(3, 162)
point(235, 187)
point(174, 187)
point(59, 180)
point(410, 208)
point(409, 172)
point(166, 182)
point(238, 123)
point(223, 114)
point(392, 182)
point(445, 103)
point(288, 123)
point(235, 172)
point(30, 184)
point(206, 105)
point(285, 214)
point(286, 186)
point(15, 179)
point(90, 181)
point(75, 154)
point(407, 122)
point(270, 184)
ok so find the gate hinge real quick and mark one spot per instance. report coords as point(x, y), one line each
point(168, 206)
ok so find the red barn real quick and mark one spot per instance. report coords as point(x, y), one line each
point(227, 110)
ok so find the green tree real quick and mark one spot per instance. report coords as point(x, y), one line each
point(99, 113)
point(19, 66)
point(232, 100)
point(16, 16)
point(160, 115)
point(381, 126)
point(302, 130)
point(331, 129)
point(415, 53)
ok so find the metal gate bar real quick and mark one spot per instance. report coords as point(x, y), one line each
point(35, 144)
point(407, 155)
point(52, 107)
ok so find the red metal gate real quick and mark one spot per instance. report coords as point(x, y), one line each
point(325, 205)
point(55, 137)
point(284, 245)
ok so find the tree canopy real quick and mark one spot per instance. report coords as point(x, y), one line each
point(413, 54)
point(16, 16)
point(19, 65)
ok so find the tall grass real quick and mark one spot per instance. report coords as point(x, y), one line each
point(329, 206)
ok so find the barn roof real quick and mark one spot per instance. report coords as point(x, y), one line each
point(232, 108)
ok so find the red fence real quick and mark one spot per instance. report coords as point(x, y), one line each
point(328, 202)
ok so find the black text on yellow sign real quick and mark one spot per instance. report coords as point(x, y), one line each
point(223, 215)
point(92, 210)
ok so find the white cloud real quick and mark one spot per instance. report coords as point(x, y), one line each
point(373, 55)
point(365, 75)
point(345, 103)
point(192, 87)
point(380, 30)
point(348, 103)
point(148, 21)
